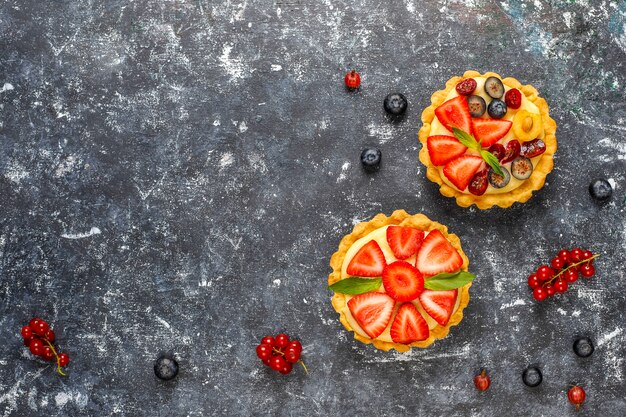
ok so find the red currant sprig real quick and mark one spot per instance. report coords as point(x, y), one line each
point(280, 353)
point(39, 338)
point(547, 281)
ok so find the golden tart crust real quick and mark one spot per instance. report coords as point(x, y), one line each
point(401, 218)
point(520, 194)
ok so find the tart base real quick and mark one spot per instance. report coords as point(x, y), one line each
point(401, 218)
point(520, 194)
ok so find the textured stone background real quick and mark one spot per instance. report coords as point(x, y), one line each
point(175, 175)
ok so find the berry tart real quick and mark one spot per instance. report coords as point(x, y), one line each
point(487, 141)
point(400, 281)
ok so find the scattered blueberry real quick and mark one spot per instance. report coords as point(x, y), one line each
point(496, 109)
point(583, 347)
point(600, 189)
point(166, 368)
point(532, 377)
point(370, 158)
point(477, 105)
point(395, 104)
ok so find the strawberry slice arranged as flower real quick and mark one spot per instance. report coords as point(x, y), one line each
point(437, 255)
point(439, 304)
point(369, 261)
point(455, 113)
point(404, 241)
point(461, 170)
point(372, 311)
point(402, 281)
point(443, 148)
point(409, 326)
point(490, 131)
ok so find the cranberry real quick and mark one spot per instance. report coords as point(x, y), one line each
point(533, 148)
point(513, 98)
point(497, 149)
point(479, 182)
point(466, 87)
point(512, 151)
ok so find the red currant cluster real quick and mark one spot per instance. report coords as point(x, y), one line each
point(564, 270)
point(39, 338)
point(279, 353)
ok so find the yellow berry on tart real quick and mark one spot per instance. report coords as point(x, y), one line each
point(487, 141)
point(400, 281)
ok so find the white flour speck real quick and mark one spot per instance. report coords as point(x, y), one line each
point(276, 67)
point(519, 302)
point(344, 169)
point(91, 232)
point(233, 67)
point(276, 282)
point(6, 87)
point(226, 160)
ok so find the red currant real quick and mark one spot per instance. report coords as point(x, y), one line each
point(557, 263)
point(292, 355)
point(267, 361)
point(352, 80)
point(482, 381)
point(576, 395)
point(533, 281)
point(544, 273)
point(294, 344)
point(64, 359)
point(34, 323)
point(36, 346)
point(576, 255)
point(264, 351)
point(570, 275)
point(27, 341)
point(277, 362)
point(587, 254)
point(550, 290)
point(286, 369)
point(27, 332)
point(564, 255)
point(49, 336)
point(282, 340)
point(47, 353)
point(41, 327)
point(587, 270)
point(540, 294)
point(268, 340)
point(560, 285)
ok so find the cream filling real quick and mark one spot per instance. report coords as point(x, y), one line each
point(380, 236)
point(436, 128)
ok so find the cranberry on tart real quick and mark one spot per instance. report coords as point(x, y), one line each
point(487, 141)
point(400, 281)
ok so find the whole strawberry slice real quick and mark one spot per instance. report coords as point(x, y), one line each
point(443, 148)
point(455, 113)
point(369, 261)
point(461, 170)
point(402, 281)
point(404, 241)
point(490, 131)
point(439, 304)
point(372, 311)
point(409, 326)
point(437, 255)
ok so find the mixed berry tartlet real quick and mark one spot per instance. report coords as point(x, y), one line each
point(487, 141)
point(400, 281)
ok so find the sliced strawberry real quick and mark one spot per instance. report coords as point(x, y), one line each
point(372, 311)
point(439, 304)
point(443, 149)
point(437, 255)
point(455, 113)
point(402, 281)
point(489, 131)
point(404, 241)
point(409, 326)
point(369, 261)
point(461, 170)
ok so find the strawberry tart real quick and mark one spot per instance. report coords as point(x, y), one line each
point(400, 281)
point(487, 141)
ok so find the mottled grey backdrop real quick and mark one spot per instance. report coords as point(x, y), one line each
point(175, 175)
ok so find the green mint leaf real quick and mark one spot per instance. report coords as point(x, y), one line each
point(492, 161)
point(356, 285)
point(465, 138)
point(448, 280)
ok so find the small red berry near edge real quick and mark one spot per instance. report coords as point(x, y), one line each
point(64, 359)
point(50, 336)
point(264, 351)
point(41, 327)
point(36, 347)
point(352, 80)
point(282, 340)
point(27, 332)
point(268, 340)
point(544, 273)
point(587, 270)
point(482, 381)
point(540, 294)
point(576, 395)
point(533, 281)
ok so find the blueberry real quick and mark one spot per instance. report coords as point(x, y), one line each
point(532, 376)
point(494, 87)
point(496, 180)
point(600, 189)
point(583, 347)
point(477, 105)
point(370, 158)
point(496, 109)
point(395, 104)
point(166, 368)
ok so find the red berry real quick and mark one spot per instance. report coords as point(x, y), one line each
point(41, 327)
point(277, 362)
point(34, 322)
point(576, 395)
point(286, 369)
point(513, 98)
point(292, 355)
point(557, 263)
point(560, 285)
point(587, 270)
point(36, 346)
point(482, 381)
point(550, 290)
point(267, 361)
point(64, 359)
point(570, 275)
point(544, 273)
point(576, 255)
point(47, 353)
point(282, 340)
point(466, 87)
point(564, 255)
point(587, 254)
point(268, 340)
point(540, 294)
point(49, 336)
point(352, 79)
point(27, 332)
point(533, 281)
point(264, 351)
point(294, 344)
point(27, 341)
